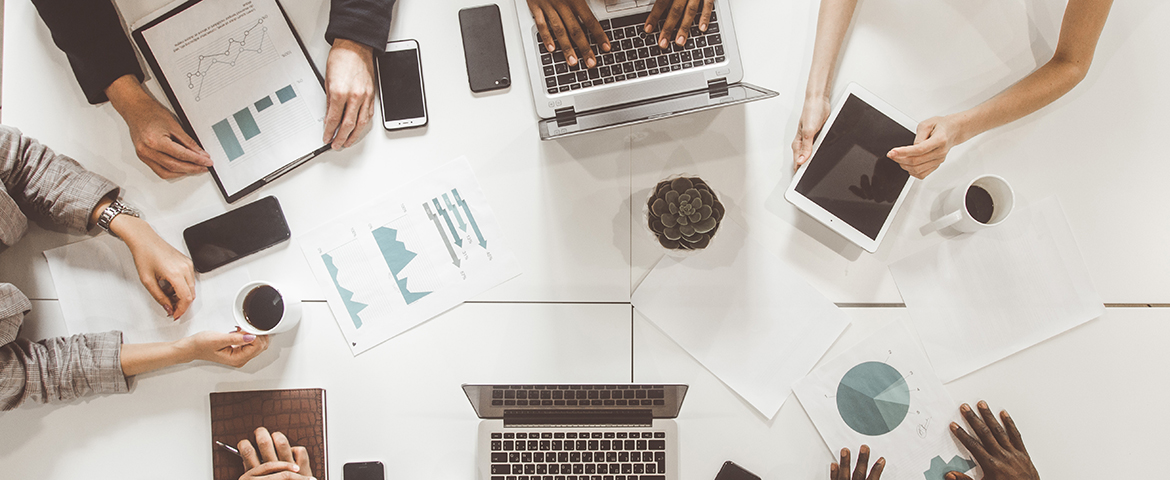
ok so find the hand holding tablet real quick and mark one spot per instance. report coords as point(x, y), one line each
point(848, 184)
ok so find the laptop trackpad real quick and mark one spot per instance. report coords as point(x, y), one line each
point(619, 5)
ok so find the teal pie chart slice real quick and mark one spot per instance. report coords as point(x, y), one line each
point(873, 398)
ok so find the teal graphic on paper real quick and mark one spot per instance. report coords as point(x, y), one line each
point(346, 296)
point(227, 140)
point(447, 217)
point(263, 103)
point(873, 398)
point(397, 258)
point(247, 123)
point(939, 469)
point(285, 94)
point(442, 233)
point(471, 219)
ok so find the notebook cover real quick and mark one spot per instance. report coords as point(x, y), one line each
point(298, 414)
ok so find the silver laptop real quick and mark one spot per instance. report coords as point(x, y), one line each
point(577, 432)
point(636, 81)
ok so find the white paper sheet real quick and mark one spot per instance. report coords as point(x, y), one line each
point(883, 393)
point(241, 78)
point(99, 290)
point(416, 253)
point(978, 298)
point(748, 318)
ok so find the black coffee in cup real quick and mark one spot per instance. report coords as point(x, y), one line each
point(263, 307)
point(979, 204)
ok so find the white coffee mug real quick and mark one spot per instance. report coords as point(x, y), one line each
point(288, 320)
point(959, 217)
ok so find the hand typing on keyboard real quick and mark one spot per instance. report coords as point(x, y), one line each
point(560, 23)
point(680, 16)
point(281, 461)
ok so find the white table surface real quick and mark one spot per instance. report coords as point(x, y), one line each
point(572, 208)
point(391, 404)
point(1087, 402)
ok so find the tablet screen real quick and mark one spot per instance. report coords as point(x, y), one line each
point(850, 175)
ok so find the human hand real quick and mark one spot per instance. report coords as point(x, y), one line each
point(680, 15)
point(234, 349)
point(158, 139)
point(349, 83)
point(935, 138)
point(999, 449)
point(812, 119)
point(281, 461)
point(559, 22)
point(840, 471)
point(167, 274)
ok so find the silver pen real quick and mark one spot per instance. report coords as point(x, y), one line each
point(228, 448)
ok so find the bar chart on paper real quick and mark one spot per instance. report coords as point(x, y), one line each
point(420, 251)
point(238, 130)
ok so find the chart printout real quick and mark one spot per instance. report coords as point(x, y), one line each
point(244, 84)
point(418, 252)
point(884, 393)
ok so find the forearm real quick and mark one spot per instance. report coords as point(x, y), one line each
point(832, 25)
point(1034, 92)
point(144, 357)
point(126, 94)
point(1079, 31)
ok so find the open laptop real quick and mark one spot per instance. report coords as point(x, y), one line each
point(635, 81)
point(577, 432)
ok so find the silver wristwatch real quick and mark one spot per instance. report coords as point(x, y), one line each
point(113, 210)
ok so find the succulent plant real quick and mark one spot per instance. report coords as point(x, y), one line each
point(684, 213)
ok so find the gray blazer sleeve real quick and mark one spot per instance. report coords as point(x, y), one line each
point(54, 370)
point(47, 184)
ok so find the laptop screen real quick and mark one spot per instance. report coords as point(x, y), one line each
point(493, 401)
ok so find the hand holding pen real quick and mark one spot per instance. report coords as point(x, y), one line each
point(281, 461)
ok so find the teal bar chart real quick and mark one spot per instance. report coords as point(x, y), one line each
point(227, 139)
point(263, 103)
point(285, 94)
point(247, 124)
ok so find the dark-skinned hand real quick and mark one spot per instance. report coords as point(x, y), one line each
point(569, 24)
point(840, 471)
point(679, 17)
point(999, 449)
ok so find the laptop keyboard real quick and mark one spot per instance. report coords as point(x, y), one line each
point(577, 395)
point(633, 54)
point(578, 455)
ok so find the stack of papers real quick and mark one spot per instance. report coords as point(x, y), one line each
point(978, 298)
point(743, 314)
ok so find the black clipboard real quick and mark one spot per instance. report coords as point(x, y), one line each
point(148, 55)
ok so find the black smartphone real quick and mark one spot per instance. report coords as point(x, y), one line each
point(731, 471)
point(404, 101)
point(363, 471)
point(483, 48)
point(236, 234)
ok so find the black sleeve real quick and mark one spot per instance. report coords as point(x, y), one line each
point(364, 21)
point(90, 33)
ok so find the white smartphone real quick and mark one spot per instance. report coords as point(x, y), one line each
point(400, 81)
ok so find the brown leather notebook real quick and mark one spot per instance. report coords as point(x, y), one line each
point(298, 414)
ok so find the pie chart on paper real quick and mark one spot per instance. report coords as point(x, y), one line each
point(873, 398)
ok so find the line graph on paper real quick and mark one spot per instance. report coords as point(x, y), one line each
point(229, 57)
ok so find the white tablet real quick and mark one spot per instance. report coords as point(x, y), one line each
point(848, 183)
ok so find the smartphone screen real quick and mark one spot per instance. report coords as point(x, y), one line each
point(400, 78)
point(483, 48)
point(363, 471)
point(236, 234)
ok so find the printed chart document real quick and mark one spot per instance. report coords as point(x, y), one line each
point(749, 319)
point(99, 291)
point(239, 78)
point(416, 253)
point(884, 394)
point(978, 298)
